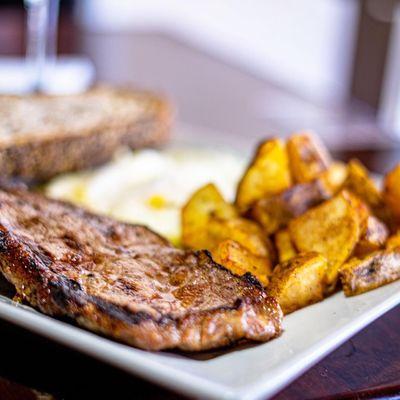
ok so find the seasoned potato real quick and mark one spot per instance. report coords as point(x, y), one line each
point(271, 213)
point(377, 269)
point(374, 234)
point(393, 241)
point(207, 220)
point(331, 229)
point(360, 183)
point(360, 207)
point(392, 191)
point(299, 282)
point(308, 158)
point(247, 233)
point(334, 177)
point(275, 212)
point(267, 174)
point(284, 245)
point(205, 203)
point(239, 260)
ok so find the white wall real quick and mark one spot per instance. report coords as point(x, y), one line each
point(389, 110)
point(305, 45)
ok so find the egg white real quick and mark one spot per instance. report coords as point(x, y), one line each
point(150, 186)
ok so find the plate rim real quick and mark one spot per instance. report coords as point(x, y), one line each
point(177, 379)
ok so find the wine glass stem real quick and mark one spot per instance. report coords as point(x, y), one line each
point(51, 50)
point(42, 23)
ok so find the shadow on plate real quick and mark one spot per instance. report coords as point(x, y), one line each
point(6, 288)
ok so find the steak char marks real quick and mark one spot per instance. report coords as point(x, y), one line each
point(126, 281)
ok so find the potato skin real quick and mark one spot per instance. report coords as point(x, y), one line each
point(375, 270)
point(373, 236)
point(308, 157)
point(331, 229)
point(299, 282)
point(267, 174)
point(275, 212)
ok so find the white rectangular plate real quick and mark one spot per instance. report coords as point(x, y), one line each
point(252, 373)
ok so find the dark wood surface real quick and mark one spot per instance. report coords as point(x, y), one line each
point(367, 366)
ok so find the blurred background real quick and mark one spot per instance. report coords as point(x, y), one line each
point(243, 69)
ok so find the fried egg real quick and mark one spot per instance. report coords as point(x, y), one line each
point(150, 187)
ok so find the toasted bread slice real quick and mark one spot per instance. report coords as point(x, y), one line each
point(42, 136)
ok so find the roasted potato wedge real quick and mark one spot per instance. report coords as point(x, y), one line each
point(267, 174)
point(271, 213)
point(284, 246)
point(308, 157)
point(331, 229)
point(334, 177)
point(274, 213)
point(239, 260)
point(360, 207)
point(374, 234)
point(299, 282)
point(393, 241)
point(247, 233)
point(391, 191)
point(207, 220)
point(205, 203)
point(361, 184)
point(377, 269)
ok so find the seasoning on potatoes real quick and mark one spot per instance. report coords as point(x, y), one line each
point(284, 246)
point(374, 234)
point(334, 177)
point(331, 229)
point(376, 269)
point(393, 241)
point(361, 184)
point(247, 233)
point(205, 203)
point(392, 191)
point(268, 174)
point(308, 157)
point(239, 260)
point(274, 213)
point(299, 282)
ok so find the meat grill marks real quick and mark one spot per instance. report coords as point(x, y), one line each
point(124, 280)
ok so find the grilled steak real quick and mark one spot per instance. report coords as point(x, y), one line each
point(124, 280)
